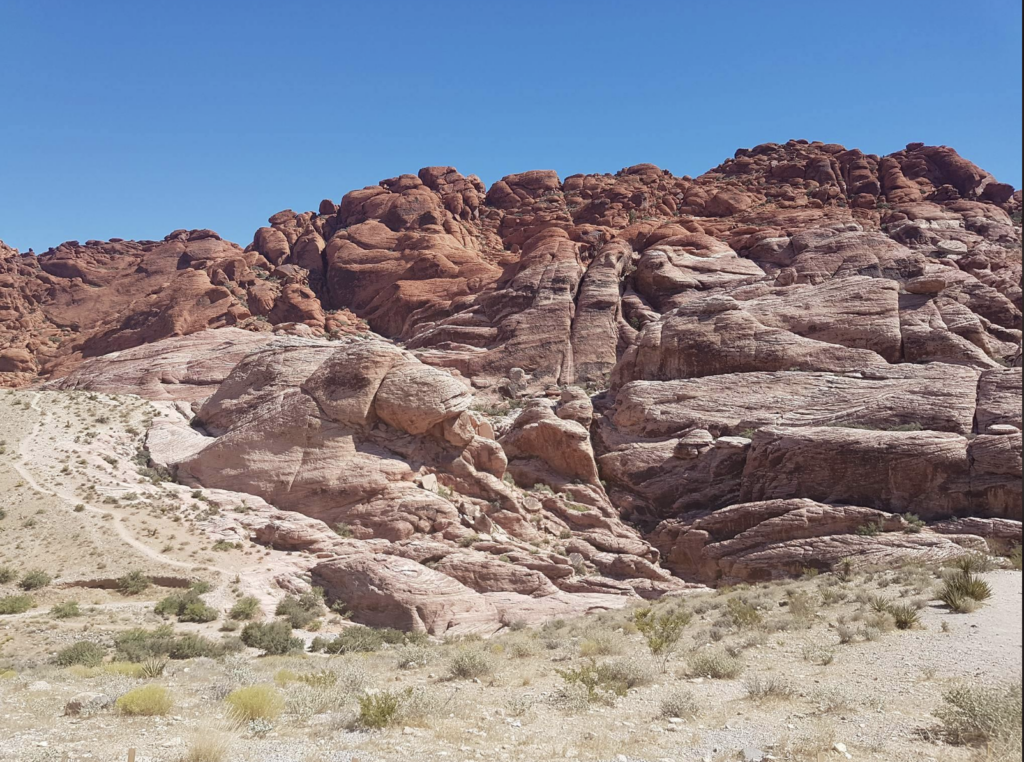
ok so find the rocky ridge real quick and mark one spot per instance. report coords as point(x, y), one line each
point(539, 397)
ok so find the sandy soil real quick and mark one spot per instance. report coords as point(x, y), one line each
point(77, 506)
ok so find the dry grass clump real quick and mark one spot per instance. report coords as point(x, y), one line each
point(255, 702)
point(470, 664)
point(680, 703)
point(982, 714)
point(145, 701)
point(768, 688)
point(16, 604)
point(83, 653)
point(715, 665)
point(208, 745)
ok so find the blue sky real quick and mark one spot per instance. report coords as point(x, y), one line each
point(130, 119)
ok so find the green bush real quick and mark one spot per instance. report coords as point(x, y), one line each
point(273, 638)
point(133, 583)
point(245, 609)
point(255, 702)
point(962, 591)
point(662, 632)
point(7, 574)
point(303, 610)
point(187, 607)
point(35, 579)
point(470, 664)
point(65, 610)
point(380, 710)
point(905, 615)
point(141, 645)
point(365, 640)
point(1015, 557)
point(145, 701)
point(82, 653)
point(16, 604)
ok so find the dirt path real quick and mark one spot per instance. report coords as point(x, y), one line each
point(21, 466)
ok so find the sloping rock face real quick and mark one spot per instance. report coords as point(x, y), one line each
point(570, 379)
point(369, 441)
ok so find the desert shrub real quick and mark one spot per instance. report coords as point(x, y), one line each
point(145, 701)
point(661, 631)
point(16, 604)
point(600, 644)
point(245, 609)
point(743, 614)
point(680, 703)
point(905, 615)
point(380, 710)
point(208, 745)
point(586, 684)
point(768, 687)
point(1015, 557)
point(255, 702)
point(715, 665)
point(914, 523)
point(35, 579)
point(133, 583)
point(187, 607)
point(139, 645)
point(470, 664)
point(82, 653)
point(365, 640)
point(301, 611)
point(628, 672)
point(273, 638)
point(65, 610)
point(871, 529)
point(7, 574)
point(979, 714)
point(974, 563)
point(962, 591)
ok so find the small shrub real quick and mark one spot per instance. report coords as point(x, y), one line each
point(133, 583)
point(16, 604)
point(82, 653)
point(715, 665)
point(187, 607)
point(871, 529)
point(600, 644)
point(915, 525)
point(65, 610)
point(974, 563)
point(768, 687)
point(245, 609)
point(303, 610)
point(365, 640)
point(1015, 558)
point(35, 579)
point(380, 710)
point(662, 632)
point(470, 664)
point(273, 638)
point(962, 591)
point(977, 714)
point(819, 655)
point(680, 703)
point(208, 745)
point(905, 615)
point(7, 574)
point(629, 672)
point(255, 702)
point(145, 701)
point(742, 614)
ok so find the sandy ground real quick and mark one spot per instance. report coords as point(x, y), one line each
point(76, 506)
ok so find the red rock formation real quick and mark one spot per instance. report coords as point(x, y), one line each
point(803, 338)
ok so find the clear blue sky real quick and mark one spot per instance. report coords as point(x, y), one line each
point(134, 118)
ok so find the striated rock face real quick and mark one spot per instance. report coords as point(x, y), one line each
point(524, 397)
point(365, 439)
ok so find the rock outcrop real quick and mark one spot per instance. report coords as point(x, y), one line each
point(522, 397)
